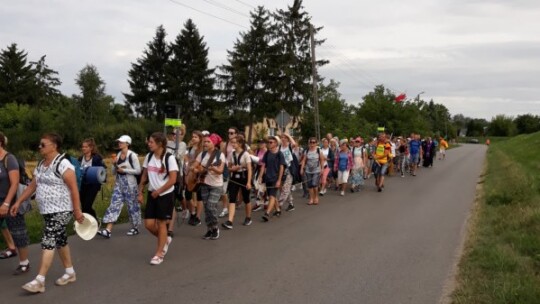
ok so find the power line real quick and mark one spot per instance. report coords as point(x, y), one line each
point(246, 4)
point(225, 7)
point(208, 14)
point(351, 62)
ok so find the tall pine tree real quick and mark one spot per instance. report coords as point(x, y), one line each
point(16, 76)
point(293, 73)
point(190, 81)
point(147, 79)
point(245, 78)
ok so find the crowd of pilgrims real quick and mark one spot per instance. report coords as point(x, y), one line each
point(179, 181)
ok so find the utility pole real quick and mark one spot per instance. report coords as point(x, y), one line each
point(315, 85)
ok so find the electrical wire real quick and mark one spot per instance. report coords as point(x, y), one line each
point(246, 4)
point(225, 7)
point(208, 14)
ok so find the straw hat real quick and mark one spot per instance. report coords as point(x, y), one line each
point(88, 228)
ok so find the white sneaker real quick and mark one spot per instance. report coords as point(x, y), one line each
point(342, 193)
point(166, 247)
point(293, 188)
point(224, 212)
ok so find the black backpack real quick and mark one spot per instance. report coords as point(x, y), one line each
point(23, 176)
point(167, 155)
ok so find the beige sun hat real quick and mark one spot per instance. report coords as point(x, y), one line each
point(88, 228)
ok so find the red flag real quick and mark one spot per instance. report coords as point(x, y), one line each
point(401, 97)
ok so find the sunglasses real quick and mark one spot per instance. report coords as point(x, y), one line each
point(271, 142)
point(232, 132)
point(43, 145)
point(312, 142)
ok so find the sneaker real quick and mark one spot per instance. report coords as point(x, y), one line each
point(21, 269)
point(379, 189)
point(289, 208)
point(227, 225)
point(215, 234)
point(208, 235)
point(131, 232)
point(224, 212)
point(156, 260)
point(265, 217)
point(191, 219)
point(402, 175)
point(66, 279)
point(352, 190)
point(196, 221)
point(278, 213)
point(105, 233)
point(247, 221)
point(342, 193)
point(166, 247)
point(258, 207)
point(34, 286)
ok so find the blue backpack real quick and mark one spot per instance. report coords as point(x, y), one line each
point(75, 162)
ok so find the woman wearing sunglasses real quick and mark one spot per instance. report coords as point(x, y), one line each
point(57, 195)
point(312, 165)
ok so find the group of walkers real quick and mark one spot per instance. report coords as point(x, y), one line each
point(205, 175)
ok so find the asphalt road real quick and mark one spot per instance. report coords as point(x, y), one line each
point(398, 246)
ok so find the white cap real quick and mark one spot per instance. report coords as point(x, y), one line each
point(205, 133)
point(125, 139)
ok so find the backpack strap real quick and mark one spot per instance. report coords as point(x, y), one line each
point(56, 163)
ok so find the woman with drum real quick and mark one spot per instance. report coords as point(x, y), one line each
point(92, 164)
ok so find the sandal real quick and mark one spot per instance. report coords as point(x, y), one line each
point(8, 253)
point(105, 233)
point(21, 269)
point(156, 260)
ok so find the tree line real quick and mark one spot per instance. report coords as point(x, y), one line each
point(268, 69)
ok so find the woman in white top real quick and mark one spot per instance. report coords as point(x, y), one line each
point(159, 171)
point(240, 180)
point(211, 162)
point(57, 195)
point(126, 167)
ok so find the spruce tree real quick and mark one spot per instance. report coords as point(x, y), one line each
point(190, 81)
point(16, 76)
point(147, 79)
point(245, 78)
point(293, 72)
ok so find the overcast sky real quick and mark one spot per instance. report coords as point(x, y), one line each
point(479, 58)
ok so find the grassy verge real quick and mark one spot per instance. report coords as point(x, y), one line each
point(34, 220)
point(501, 262)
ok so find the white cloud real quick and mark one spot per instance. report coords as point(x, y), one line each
point(478, 57)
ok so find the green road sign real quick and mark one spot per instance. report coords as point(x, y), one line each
point(173, 122)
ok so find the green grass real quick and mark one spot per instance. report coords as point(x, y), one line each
point(501, 262)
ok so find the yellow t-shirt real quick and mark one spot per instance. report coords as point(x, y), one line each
point(444, 144)
point(380, 155)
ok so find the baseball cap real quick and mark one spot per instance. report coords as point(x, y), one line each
point(125, 139)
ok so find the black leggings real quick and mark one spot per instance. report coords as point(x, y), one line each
point(88, 195)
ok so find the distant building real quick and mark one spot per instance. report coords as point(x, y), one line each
point(269, 126)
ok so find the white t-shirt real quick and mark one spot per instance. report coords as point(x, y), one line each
point(245, 161)
point(287, 154)
point(52, 194)
point(212, 179)
point(156, 179)
point(325, 153)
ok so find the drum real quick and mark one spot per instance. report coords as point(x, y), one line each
point(95, 175)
